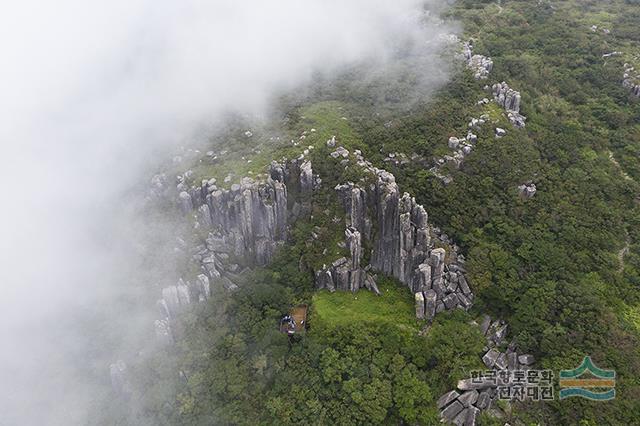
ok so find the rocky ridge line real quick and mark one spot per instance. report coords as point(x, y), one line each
point(480, 65)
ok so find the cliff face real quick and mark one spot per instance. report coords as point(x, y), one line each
point(387, 231)
point(509, 99)
point(246, 222)
point(402, 237)
point(397, 230)
point(249, 219)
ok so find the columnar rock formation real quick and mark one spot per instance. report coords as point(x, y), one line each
point(462, 406)
point(479, 64)
point(509, 99)
point(631, 80)
point(247, 221)
point(506, 97)
point(397, 230)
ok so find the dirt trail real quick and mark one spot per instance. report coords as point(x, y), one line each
point(623, 251)
point(615, 163)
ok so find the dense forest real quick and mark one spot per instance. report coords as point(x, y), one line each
point(561, 268)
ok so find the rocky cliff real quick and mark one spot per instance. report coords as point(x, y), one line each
point(244, 224)
point(396, 229)
point(509, 99)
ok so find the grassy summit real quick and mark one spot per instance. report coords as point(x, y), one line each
point(394, 307)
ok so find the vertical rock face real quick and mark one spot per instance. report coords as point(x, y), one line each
point(436, 260)
point(402, 231)
point(422, 280)
point(396, 228)
point(249, 220)
point(184, 298)
point(430, 300)
point(357, 211)
point(252, 216)
point(354, 244)
point(203, 287)
point(509, 99)
point(306, 178)
point(185, 202)
point(346, 274)
point(170, 299)
point(419, 305)
point(324, 279)
point(506, 97)
point(354, 200)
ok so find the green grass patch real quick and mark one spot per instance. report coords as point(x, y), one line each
point(328, 118)
point(394, 307)
point(495, 112)
point(245, 164)
point(631, 315)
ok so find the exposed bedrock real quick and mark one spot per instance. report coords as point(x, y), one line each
point(631, 80)
point(249, 219)
point(509, 99)
point(506, 97)
point(347, 274)
point(480, 65)
point(527, 190)
point(477, 394)
point(396, 228)
point(246, 222)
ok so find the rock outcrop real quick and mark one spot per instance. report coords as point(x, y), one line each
point(473, 395)
point(480, 65)
point(509, 99)
point(631, 80)
point(527, 190)
point(247, 221)
point(396, 228)
point(461, 146)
